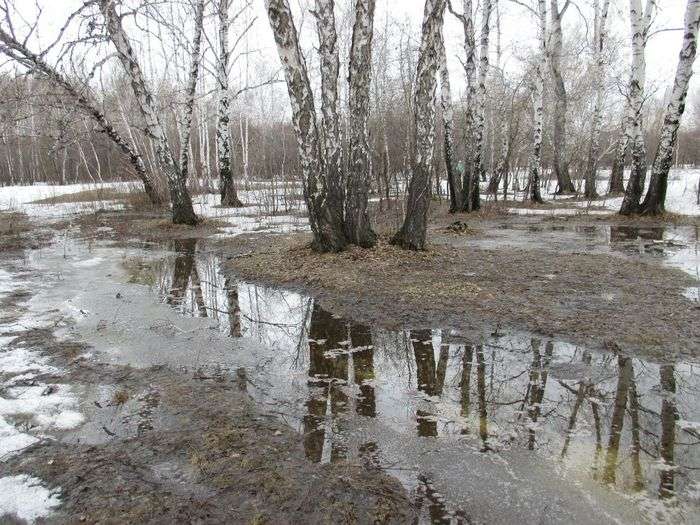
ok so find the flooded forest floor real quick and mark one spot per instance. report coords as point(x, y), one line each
point(143, 394)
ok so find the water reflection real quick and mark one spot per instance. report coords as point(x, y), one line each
point(609, 419)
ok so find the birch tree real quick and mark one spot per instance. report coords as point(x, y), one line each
point(617, 184)
point(357, 225)
point(227, 188)
point(328, 232)
point(470, 179)
point(16, 48)
point(186, 129)
point(182, 211)
point(599, 38)
point(535, 160)
point(453, 182)
point(640, 21)
point(654, 202)
point(479, 128)
point(412, 234)
point(330, 122)
point(561, 100)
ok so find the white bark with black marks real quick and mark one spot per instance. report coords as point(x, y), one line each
point(599, 38)
point(357, 225)
point(412, 234)
point(186, 127)
point(227, 188)
point(479, 127)
point(535, 161)
point(330, 122)
point(182, 210)
point(328, 234)
point(470, 180)
point(453, 181)
point(640, 22)
point(655, 200)
point(555, 49)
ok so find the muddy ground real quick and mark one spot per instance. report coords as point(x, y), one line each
point(573, 292)
point(210, 455)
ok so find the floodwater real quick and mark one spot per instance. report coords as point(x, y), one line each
point(511, 427)
point(672, 246)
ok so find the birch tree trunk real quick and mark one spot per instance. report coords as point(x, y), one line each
point(328, 233)
point(479, 131)
point(186, 129)
point(455, 185)
point(182, 210)
point(561, 101)
point(655, 200)
point(357, 225)
point(469, 177)
point(35, 63)
point(639, 22)
point(535, 160)
point(330, 67)
point(599, 36)
point(412, 234)
point(617, 184)
point(227, 188)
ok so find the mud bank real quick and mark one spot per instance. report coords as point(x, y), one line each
point(599, 281)
point(480, 419)
point(582, 295)
point(91, 438)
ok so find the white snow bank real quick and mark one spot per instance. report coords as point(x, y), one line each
point(13, 197)
point(12, 440)
point(24, 497)
point(54, 410)
point(22, 360)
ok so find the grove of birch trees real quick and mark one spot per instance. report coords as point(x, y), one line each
point(361, 109)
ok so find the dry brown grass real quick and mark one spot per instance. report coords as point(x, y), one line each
point(120, 397)
point(93, 195)
point(133, 197)
point(536, 290)
point(13, 223)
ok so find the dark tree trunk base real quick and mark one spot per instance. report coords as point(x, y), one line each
point(183, 212)
point(153, 195)
point(617, 184)
point(187, 217)
point(231, 201)
point(407, 242)
point(361, 236)
point(591, 194)
point(328, 245)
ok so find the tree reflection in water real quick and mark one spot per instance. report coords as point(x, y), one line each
point(547, 398)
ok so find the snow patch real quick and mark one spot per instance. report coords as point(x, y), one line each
point(12, 440)
point(24, 497)
point(87, 263)
point(22, 360)
point(47, 409)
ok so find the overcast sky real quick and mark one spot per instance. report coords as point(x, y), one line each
point(517, 30)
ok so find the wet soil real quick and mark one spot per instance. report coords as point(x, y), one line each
point(191, 445)
point(208, 457)
point(168, 445)
point(565, 289)
point(597, 299)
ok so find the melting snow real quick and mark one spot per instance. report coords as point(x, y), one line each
point(12, 440)
point(25, 497)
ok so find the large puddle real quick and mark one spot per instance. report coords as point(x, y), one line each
point(512, 427)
